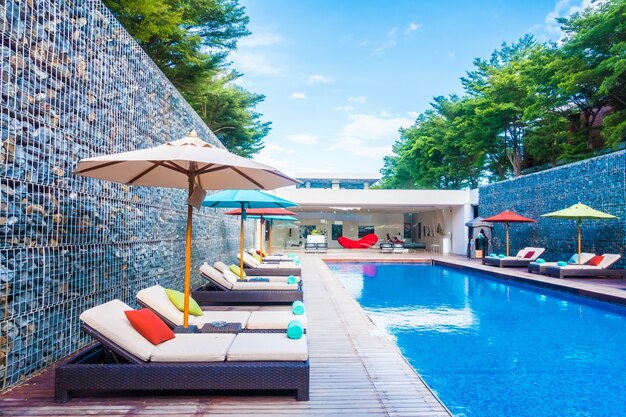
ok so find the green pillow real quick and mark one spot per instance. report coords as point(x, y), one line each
point(236, 270)
point(178, 299)
point(257, 256)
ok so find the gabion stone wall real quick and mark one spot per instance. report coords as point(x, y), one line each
point(598, 182)
point(74, 85)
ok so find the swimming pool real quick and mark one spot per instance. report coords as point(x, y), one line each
point(490, 347)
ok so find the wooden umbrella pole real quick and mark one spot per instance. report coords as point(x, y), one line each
point(261, 238)
point(269, 249)
point(507, 238)
point(188, 255)
point(241, 243)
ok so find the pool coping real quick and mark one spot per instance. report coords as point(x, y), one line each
point(581, 289)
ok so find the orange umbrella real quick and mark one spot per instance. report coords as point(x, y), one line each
point(261, 212)
point(507, 217)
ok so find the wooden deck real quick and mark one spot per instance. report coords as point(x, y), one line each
point(355, 371)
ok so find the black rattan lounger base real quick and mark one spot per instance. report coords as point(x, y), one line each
point(556, 271)
point(272, 272)
point(88, 372)
point(210, 296)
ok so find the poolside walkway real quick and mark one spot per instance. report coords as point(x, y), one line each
point(355, 370)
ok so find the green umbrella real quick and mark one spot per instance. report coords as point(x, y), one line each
point(579, 212)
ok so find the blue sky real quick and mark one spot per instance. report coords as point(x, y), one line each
point(341, 76)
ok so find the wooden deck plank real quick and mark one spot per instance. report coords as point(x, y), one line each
point(355, 370)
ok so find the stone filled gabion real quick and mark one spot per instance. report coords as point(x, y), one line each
point(597, 182)
point(74, 84)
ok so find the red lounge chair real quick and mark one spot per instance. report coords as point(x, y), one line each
point(365, 242)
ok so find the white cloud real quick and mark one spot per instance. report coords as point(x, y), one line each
point(298, 95)
point(384, 113)
point(412, 28)
point(253, 63)
point(368, 135)
point(319, 79)
point(358, 99)
point(258, 39)
point(303, 139)
point(413, 114)
point(343, 108)
point(451, 56)
point(362, 44)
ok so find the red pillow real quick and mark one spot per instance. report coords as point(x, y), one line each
point(261, 253)
point(149, 325)
point(529, 254)
point(595, 261)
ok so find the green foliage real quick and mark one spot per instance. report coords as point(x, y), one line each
point(190, 40)
point(528, 105)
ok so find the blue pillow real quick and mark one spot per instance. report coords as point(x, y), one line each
point(501, 256)
point(573, 259)
point(493, 255)
point(561, 263)
point(540, 261)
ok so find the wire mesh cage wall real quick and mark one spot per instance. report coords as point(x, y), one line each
point(74, 85)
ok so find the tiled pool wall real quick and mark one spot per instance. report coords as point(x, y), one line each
point(74, 85)
point(598, 182)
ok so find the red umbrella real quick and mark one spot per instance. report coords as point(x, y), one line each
point(262, 212)
point(507, 217)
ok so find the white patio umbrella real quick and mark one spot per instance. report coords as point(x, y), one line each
point(187, 163)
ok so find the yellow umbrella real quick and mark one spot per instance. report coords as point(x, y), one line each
point(579, 212)
point(188, 163)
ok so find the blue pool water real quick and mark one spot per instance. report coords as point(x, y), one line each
point(493, 348)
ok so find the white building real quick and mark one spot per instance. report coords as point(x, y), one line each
point(343, 205)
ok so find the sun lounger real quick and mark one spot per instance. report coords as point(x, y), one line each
point(224, 288)
point(157, 300)
point(221, 266)
point(398, 248)
point(588, 271)
point(254, 267)
point(276, 257)
point(523, 258)
point(125, 361)
point(386, 248)
point(537, 268)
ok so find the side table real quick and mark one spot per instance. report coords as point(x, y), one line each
point(227, 328)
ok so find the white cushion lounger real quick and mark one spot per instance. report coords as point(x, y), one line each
point(221, 266)
point(251, 262)
point(518, 260)
point(157, 300)
point(601, 270)
point(273, 258)
point(534, 267)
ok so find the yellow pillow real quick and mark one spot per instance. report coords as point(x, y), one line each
point(178, 299)
point(257, 256)
point(236, 270)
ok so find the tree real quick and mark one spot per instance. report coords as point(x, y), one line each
point(189, 40)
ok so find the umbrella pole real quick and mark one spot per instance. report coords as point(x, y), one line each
point(578, 226)
point(507, 238)
point(261, 238)
point(188, 255)
point(269, 249)
point(241, 245)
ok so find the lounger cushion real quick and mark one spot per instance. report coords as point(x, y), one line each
point(149, 325)
point(267, 347)
point(254, 286)
point(198, 347)
point(274, 319)
point(109, 320)
point(231, 277)
point(609, 259)
point(215, 275)
point(178, 299)
point(220, 266)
